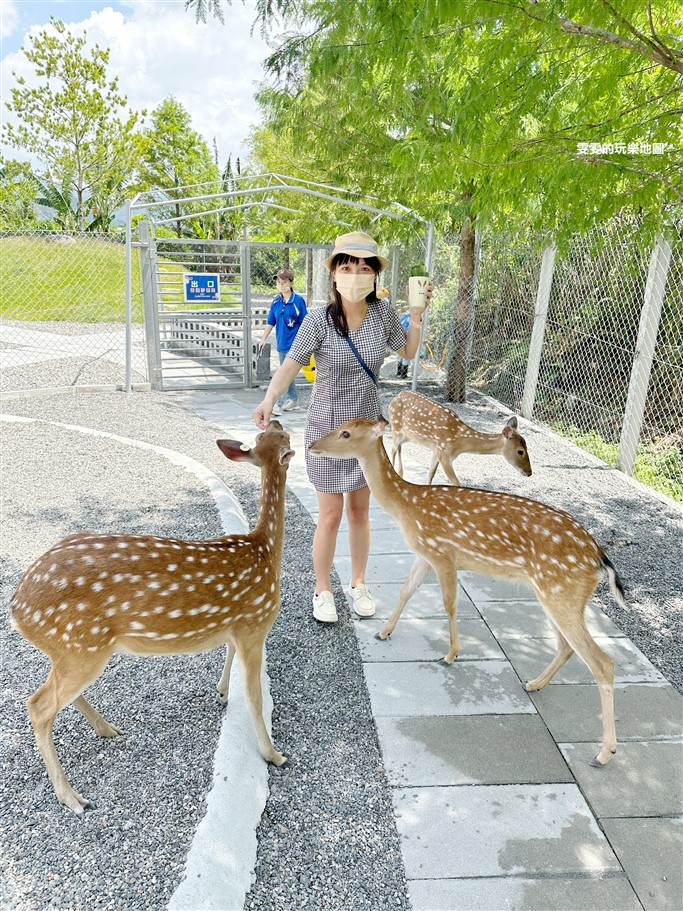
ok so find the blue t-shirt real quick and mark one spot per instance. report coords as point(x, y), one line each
point(286, 316)
point(405, 319)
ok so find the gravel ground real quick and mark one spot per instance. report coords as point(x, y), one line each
point(327, 837)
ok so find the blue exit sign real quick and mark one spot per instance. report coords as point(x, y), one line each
point(202, 286)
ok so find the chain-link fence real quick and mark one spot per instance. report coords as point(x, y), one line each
point(62, 302)
point(595, 334)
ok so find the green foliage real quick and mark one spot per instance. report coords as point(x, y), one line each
point(173, 157)
point(17, 197)
point(659, 465)
point(75, 121)
point(478, 108)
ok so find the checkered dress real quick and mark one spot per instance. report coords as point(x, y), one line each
point(342, 389)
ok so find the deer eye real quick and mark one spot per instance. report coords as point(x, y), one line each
point(520, 452)
point(345, 434)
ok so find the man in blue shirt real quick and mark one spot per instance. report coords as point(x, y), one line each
point(286, 314)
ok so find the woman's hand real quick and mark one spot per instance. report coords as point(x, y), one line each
point(261, 414)
point(416, 311)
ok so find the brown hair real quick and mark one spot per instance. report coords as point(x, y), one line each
point(335, 310)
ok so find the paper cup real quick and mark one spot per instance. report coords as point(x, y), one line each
point(417, 291)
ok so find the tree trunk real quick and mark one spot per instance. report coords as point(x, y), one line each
point(456, 374)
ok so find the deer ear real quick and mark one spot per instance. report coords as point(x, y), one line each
point(286, 455)
point(381, 426)
point(512, 422)
point(236, 451)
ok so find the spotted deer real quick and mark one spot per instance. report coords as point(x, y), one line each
point(91, 595)
point(416, 418)
point(497, 534)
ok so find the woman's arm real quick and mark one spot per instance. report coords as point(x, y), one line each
point(409, 350)
point(283, 376)
point(266, 333)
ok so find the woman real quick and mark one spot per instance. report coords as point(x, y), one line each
point(344, 388)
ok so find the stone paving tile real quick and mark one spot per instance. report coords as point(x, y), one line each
point(426, 640)
point(528, 619)
point(469, 749)
point(641, 779)
point(642, 711)
point(651, 851)
point(530, 656)
point(499, 830)
point(608, 893)
point(464, 688)
point(381, 567)
point(490, 588)
point(425, 603)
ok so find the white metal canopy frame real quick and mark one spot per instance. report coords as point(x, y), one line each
point(261, 191)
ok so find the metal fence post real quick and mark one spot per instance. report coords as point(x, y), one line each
point(245, 270)
point(644, 354)
point(150, 308)
point(393, 290)
point(129, 298)
point(545, 282)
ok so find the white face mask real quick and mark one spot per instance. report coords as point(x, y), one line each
point(354, 288)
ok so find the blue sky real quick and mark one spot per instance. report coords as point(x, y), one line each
point(157, 50)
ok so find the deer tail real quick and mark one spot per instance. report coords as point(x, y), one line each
point(615, 583)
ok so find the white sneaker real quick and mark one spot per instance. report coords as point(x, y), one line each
point(290, 405)
point(363, 602)
point(276, 409)
point(323, 607)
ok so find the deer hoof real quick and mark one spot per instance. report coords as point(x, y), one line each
point(108, 730)
point(382, 636)
point(77, 804)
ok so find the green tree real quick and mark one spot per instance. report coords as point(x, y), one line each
point(17, 197)
point(173, 157)
point(75, 120)
point(482, 112)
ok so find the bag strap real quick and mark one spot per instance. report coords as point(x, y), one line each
point(361, 361)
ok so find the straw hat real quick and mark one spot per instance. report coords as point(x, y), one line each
point(357, 244)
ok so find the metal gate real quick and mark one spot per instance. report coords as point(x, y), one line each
point(214, 345)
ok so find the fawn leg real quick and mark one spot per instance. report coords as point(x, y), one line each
point(64, 684)
point(434, 464)
point(223, 685)
point(416, 576)
point(448, 579)
point(99, 724)
point(562, 655)
point(251, 656)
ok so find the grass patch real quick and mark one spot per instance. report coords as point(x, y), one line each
point(75, 279)
point(658, 464)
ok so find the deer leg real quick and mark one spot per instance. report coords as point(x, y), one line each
point(432, 467)
point(417, 573)
point(250, 654)
point(447, 466)
point(562, 655)
point(601, 667)
point(398, 452)
point(99, 724)
point(223, 685)
point(448, 579)
point(65, 683)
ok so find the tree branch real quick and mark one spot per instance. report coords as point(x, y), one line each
point(664, 57)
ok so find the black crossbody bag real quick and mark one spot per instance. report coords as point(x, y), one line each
point(361, 361)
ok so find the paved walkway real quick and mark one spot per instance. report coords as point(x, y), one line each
point(495, 802)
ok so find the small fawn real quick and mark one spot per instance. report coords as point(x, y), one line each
point(498, 534)
point(416, 418)
point(91, 595)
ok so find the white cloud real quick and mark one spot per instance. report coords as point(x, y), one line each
point(157, 50)
point(9, 18)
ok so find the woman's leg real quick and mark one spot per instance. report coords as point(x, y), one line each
point(283, 398)
point(358, 515)
point(330, 508)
